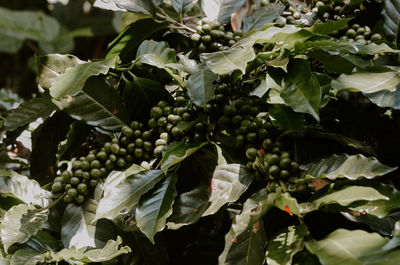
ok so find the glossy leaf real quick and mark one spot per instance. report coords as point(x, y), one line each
point(367, 81)
point(98, 104)
point(391, 14)
point(126, 194)
point(82, 256)
point(283, 246)
point(140, 6)
point(53, 65)
point(301, 90)
point(176, 153)
point(262, 16)
point(131, 37)
point(225, 62)
point(182, 6)
point(106, 4)
point(20, 223)
point(201, 86)
point(73, 79)
point(286, 119)
point(344, 197)
point(156, 206)
point(353, 247)
point(220, 10)
point(346, 166)
point(381, 208)
point(246, 248)
point(26, 257)
point(189, 207)
point(22, 188)
point(228, 183)
point(28, 112)
point(385, 98)
point(330, 26)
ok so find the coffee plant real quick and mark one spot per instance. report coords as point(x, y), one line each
point(204, 132)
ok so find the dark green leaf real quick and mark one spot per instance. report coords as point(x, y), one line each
point(228, 183)
point(353, 247)
point(201, 86)
point(45, 141)
point(20, 223)
point(176, 153)
point(129, 39)
point(344, 197)
point(72, 81)
point(10, 44)
point(286, 119)
point(262, 16)
point(330, 26)
point(156, 206)
point(301, 90)
point(126, 192)
point(22, 188)
point(28, 112)
point(391, 14)
point(225, 62)
point(141, 95)
point(98, 104)
point(26, 257)
point(189, 207)
point(283, 246)
point(141, 6)
point(246, 248)
point(350, 167)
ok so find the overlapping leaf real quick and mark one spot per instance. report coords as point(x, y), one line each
point(228, 183)
point(201, 86)
point(350, 167)
point(262, 16)
point(156, 206)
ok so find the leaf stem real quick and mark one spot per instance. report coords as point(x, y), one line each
point(53, 202)
point(165, 16)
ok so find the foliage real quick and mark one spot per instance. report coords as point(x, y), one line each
point(206, 132)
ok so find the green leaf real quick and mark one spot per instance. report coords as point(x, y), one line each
point(336, 63)
point(287, 203)
point(98, 104)
point(178, 152)
point(189, 207)
point(45, 141)
point(385, 98)
point(27, 257)
point(350, 167)
point(73, 79)
point(32, 25)
point(53, 65)
point(10, 44)
point(246, 248)
point(156, 206)
point(201, 86)
point(22, 188)
point(228, 183)
point(20, 223)
point(344, 197)
point(106, 4)
point(286, 119)
point(28, 112)
point(140, 6)
point(141, 95)
point(131, 37)
point(281, 61)
point(261, 16)
point(182, 6)
point(391, 14)
point(330, 26)
point(283, 246)
point(301, 90)
point(367, 81)
point(82, 256)
point(355, 247)
point(381, 208)
point(225, 62)
point(126, 194)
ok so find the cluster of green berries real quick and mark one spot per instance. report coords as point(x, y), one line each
point(177, 121)
point(212, 37)
point(359, 34)
point(271, 162)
